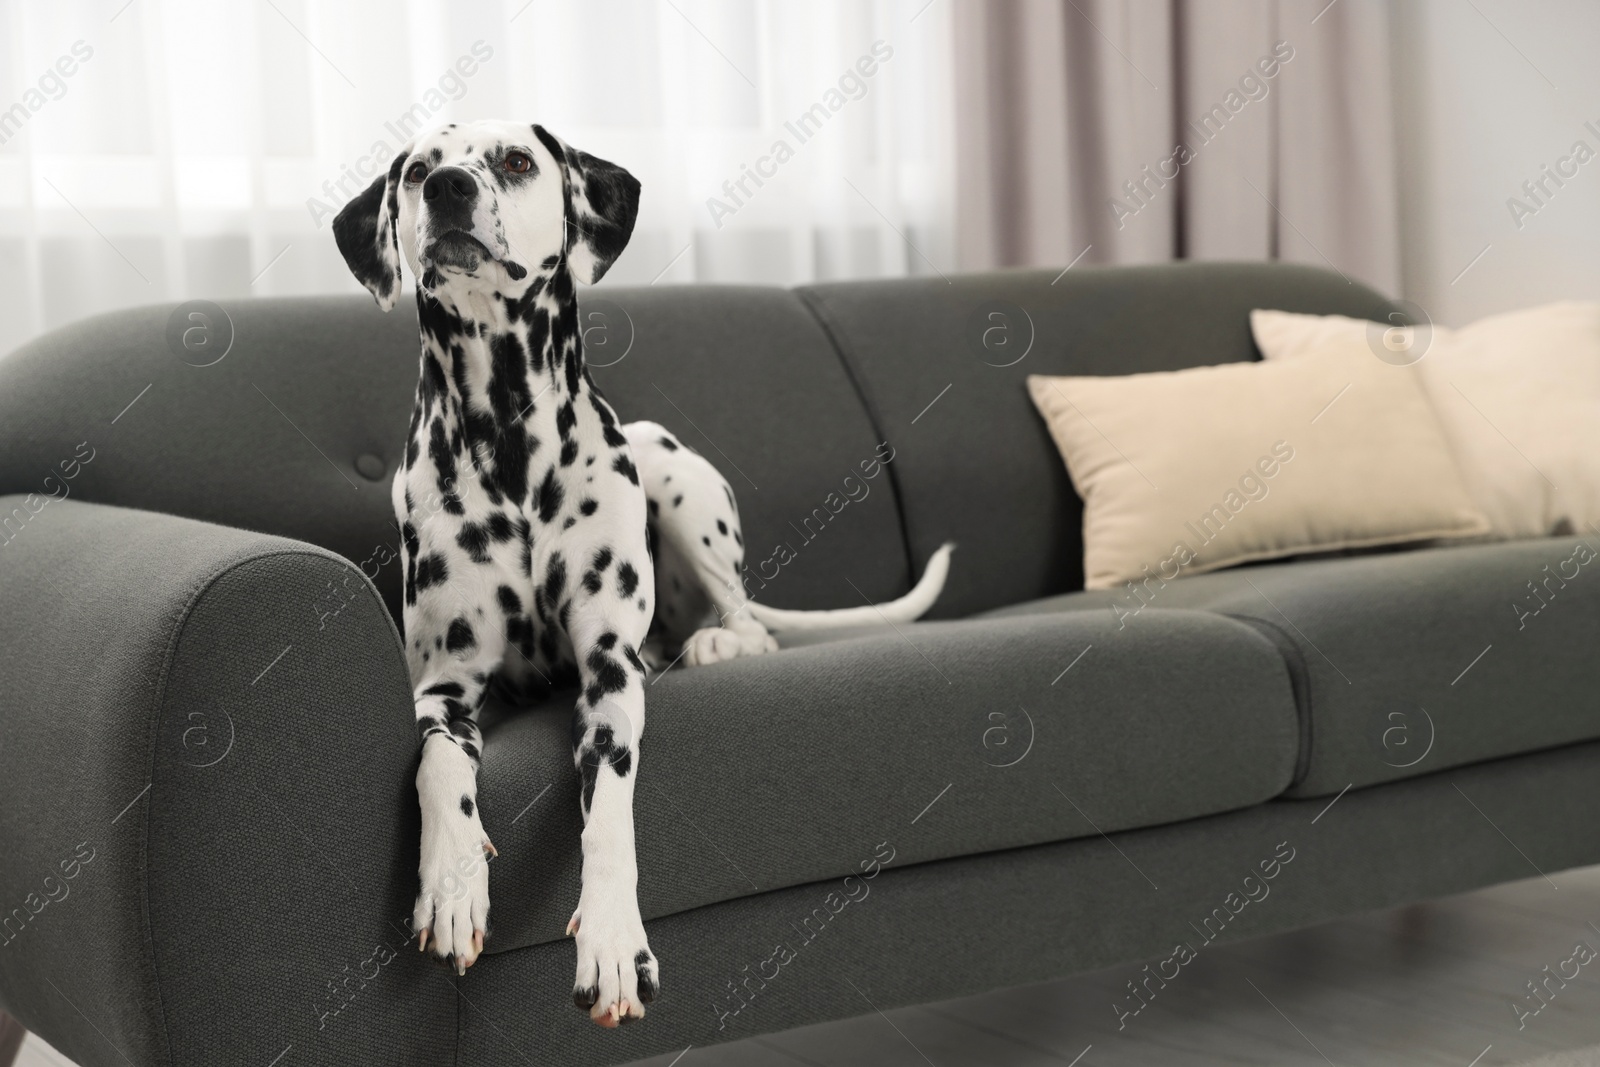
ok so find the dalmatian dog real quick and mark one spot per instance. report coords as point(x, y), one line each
point(538, 531)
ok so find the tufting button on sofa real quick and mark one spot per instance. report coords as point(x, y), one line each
point(370, 467)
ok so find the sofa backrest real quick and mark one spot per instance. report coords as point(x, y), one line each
point(941, 364)
point(795, 395)
point(297, 430)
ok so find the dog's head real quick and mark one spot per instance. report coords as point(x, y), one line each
point(483, 206)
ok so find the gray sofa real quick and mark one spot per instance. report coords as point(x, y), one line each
point(207, 816)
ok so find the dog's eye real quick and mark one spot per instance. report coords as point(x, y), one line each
point(518, 162)
point(416, 172)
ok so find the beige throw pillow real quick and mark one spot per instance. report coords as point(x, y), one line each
point(1517, 395)
point(1188, 471)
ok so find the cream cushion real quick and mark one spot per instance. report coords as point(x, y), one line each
point(1187, 471)
point(1517, 396)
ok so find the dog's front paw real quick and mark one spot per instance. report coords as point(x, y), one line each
point(617, 973)
point(716, 644)
point(452, 910)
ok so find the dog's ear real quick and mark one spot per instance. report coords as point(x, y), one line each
point(365, 232)
point(602, 203)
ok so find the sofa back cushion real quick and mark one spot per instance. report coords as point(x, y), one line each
point(298, 429)
point(942, 365)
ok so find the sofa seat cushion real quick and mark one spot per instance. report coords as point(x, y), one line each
point(1409, 662)
point(939, 739)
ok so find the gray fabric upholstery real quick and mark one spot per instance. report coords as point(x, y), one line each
point(979, 467)
point(269, 438)
point(967, 925)
point(252, 830)
point(1385, 642)
point(790, 760)
point(746, 377)
point(207, 442)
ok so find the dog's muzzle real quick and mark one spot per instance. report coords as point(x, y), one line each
point(458, 232)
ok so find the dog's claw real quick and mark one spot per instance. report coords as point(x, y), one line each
point(572, 926)
point(477, 943)
point(488, 846)
point(422, 941)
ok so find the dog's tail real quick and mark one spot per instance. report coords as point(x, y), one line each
point(904, 609)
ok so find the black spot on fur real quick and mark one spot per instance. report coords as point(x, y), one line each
point(569, 451)
point(624, 466)
point(549, 496)
point(669, 444)
point(641, 968)
point(499, 526)
point(460, 637)
point(555, 578)
point(566, 419)
point(607, 641)
point(677, 500)
point(627, 579)
point(591, 582)
point(722, 528)
point(608, 675)
point(633, 658)
point(655, 506)
point(473, 537)
point(466, 805)
point(510, 602)
point(431, 570)
point(706, 541)
point(444, 689)
point(602, 559)
point(588, 506)
point(508, 377)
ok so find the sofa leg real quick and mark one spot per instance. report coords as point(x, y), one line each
point(11, 1035)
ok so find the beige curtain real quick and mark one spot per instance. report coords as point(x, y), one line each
point(1136, 131)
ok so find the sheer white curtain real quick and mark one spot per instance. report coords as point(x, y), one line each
point(166, 149)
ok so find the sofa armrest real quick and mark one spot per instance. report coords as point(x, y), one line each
point(206, 800)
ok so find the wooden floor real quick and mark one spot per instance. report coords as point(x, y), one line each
point(1430, 985)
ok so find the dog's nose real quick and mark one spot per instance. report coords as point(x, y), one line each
point(450, 186)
